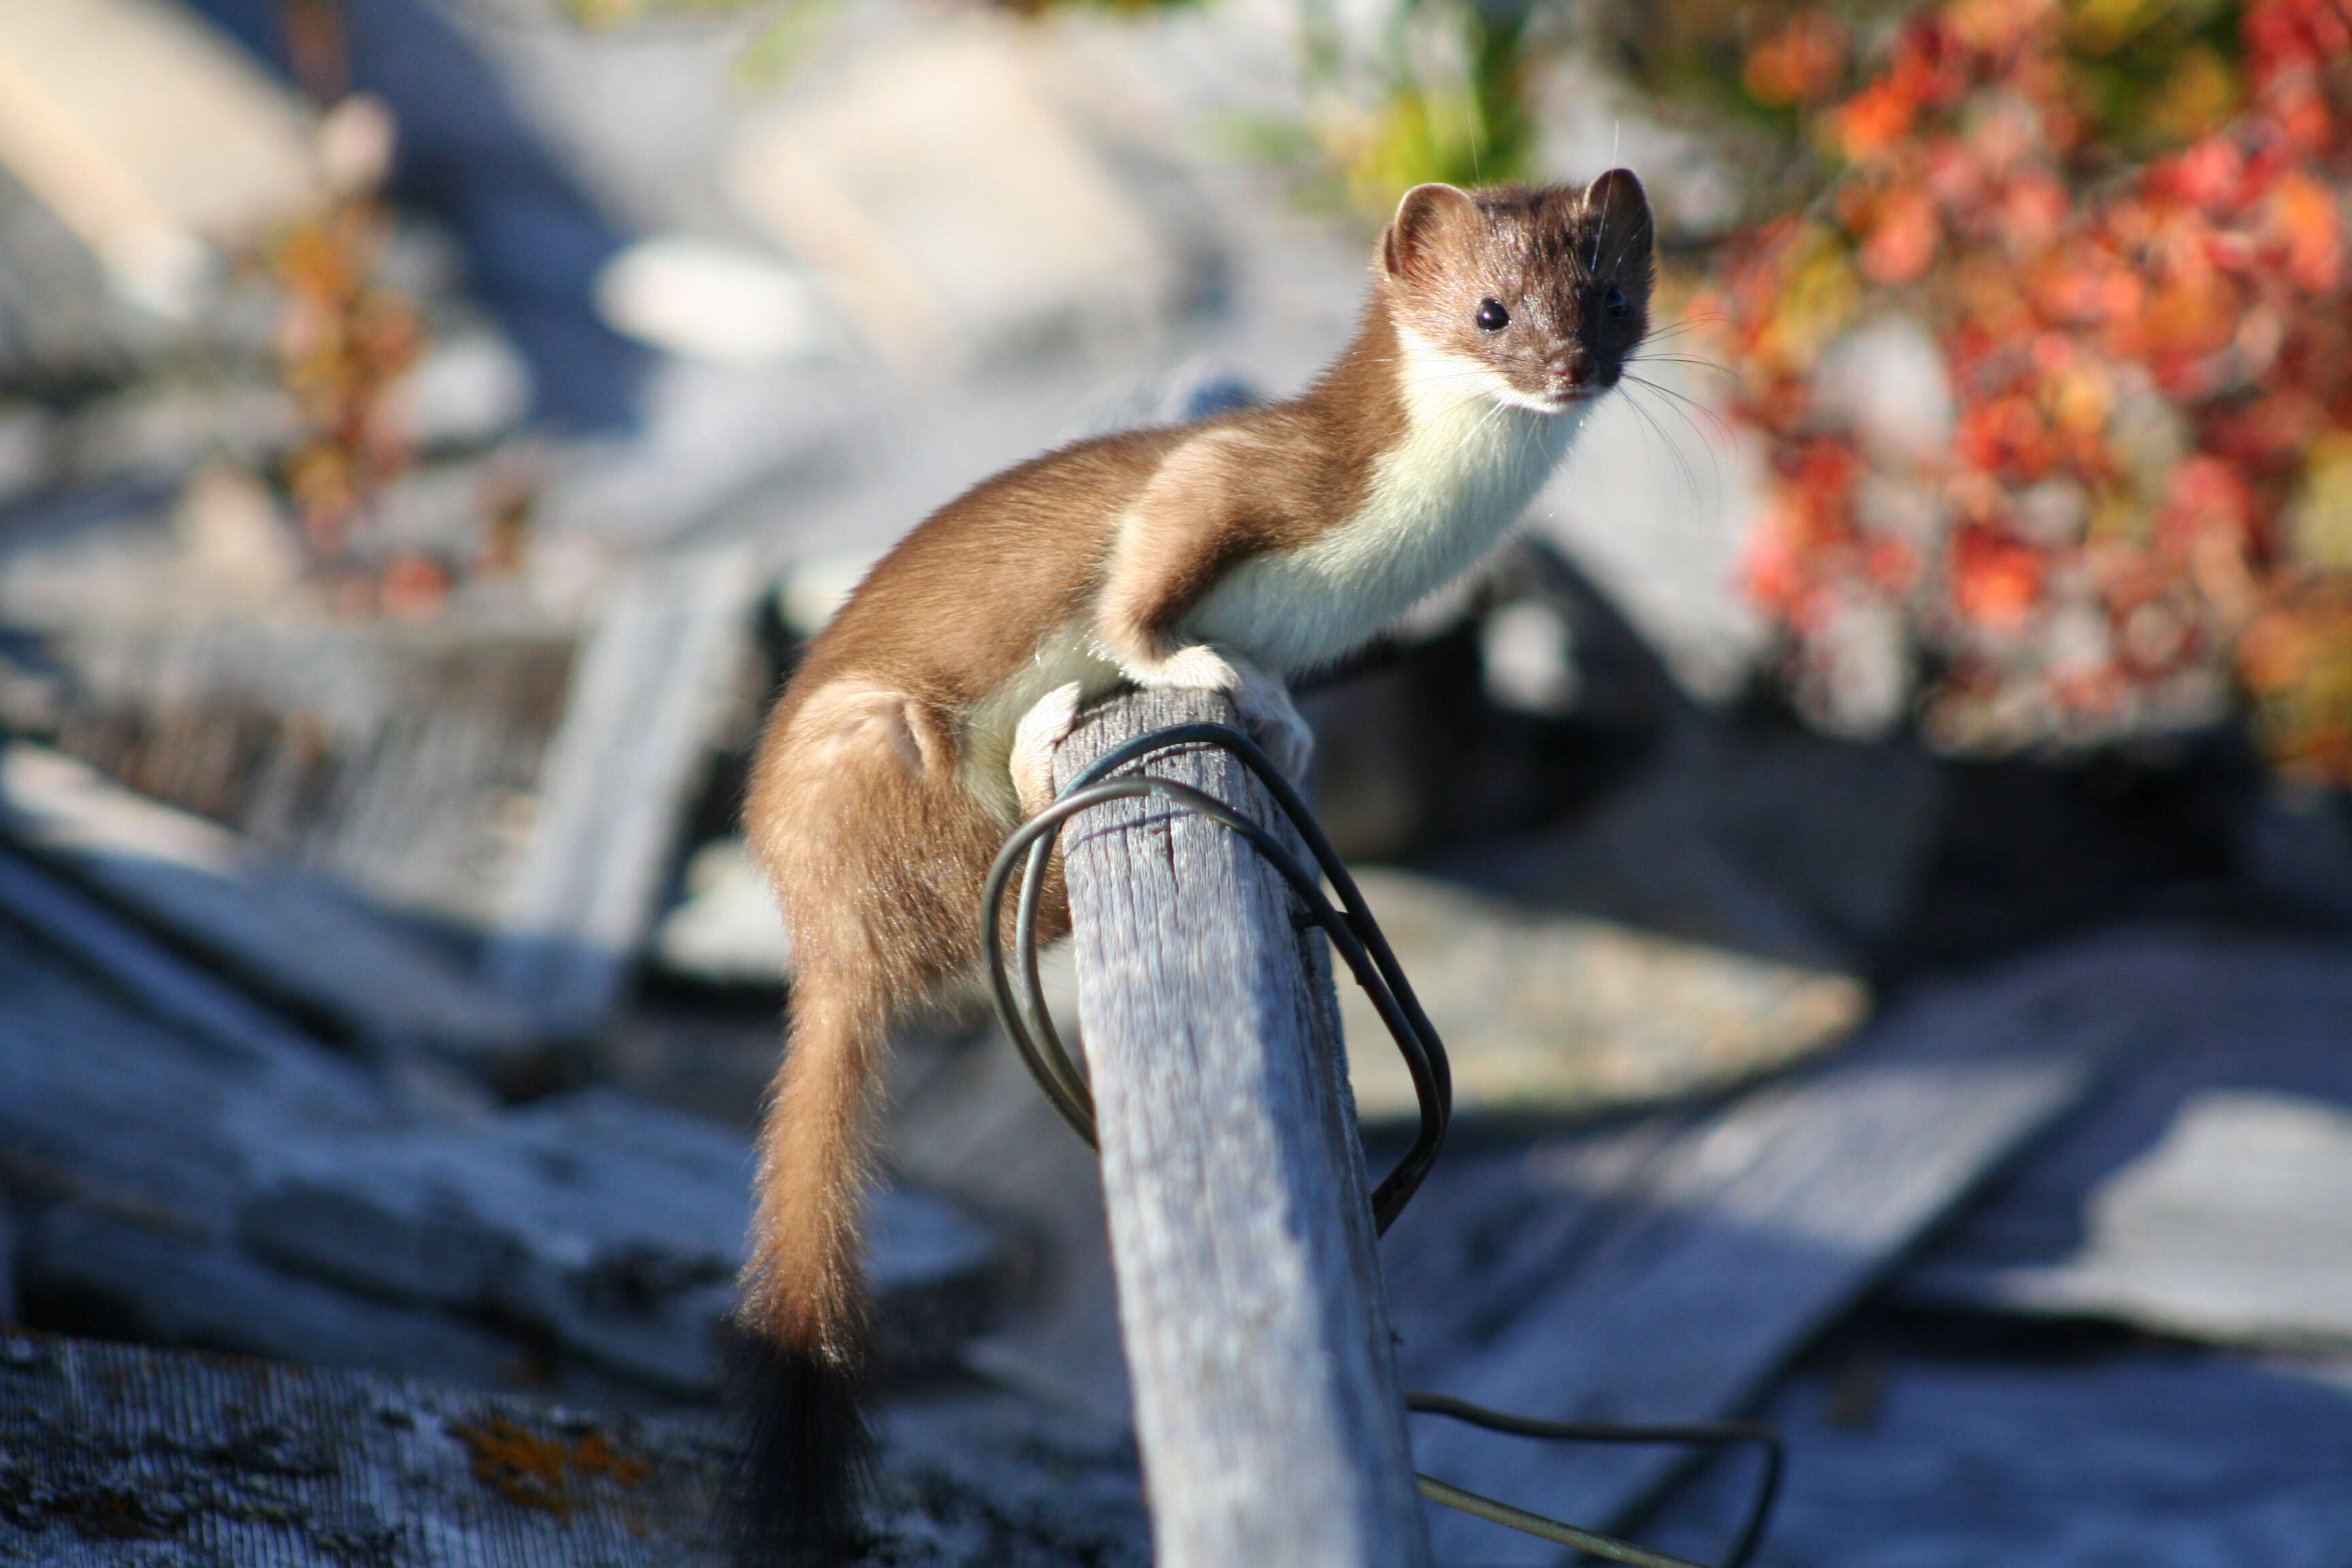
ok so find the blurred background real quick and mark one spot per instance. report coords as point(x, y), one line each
point(430, 429)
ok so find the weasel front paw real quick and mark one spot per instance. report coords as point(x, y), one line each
point(1040, 730)
point(1262, 701)
point(1198, 667)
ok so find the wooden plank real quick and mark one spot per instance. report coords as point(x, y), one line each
point(2202, 1198)
point(2148, 1454)
point(396, 758)
point(156, 979)
point(1688, 1271)
point(112, 1456)
point(1266, 1406)
point(194, 1173)
point(289, 936)
point(646, 701)
point(2236, 1226)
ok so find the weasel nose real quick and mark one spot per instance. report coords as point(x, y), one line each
point(1574, 367)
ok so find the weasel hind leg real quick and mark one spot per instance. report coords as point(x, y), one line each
point(877, 854)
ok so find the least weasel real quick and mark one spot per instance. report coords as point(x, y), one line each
point(918, 730)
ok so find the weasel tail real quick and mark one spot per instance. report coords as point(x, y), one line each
point(855, 805)
point(1225, 555)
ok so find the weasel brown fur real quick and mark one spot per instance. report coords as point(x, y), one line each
point(1226, 554)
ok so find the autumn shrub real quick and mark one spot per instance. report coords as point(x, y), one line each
point(2055, 375)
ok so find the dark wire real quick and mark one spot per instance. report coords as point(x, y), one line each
point(1693, 1434)
point(1355, 933)
point(1024, 1016)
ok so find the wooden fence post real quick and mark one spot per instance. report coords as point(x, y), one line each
point(1256, 1326)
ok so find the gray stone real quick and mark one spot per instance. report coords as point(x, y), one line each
point(165, 1286)
point(102, 1103)
point(291, 934)
point(955, 209)
point(1545, 1012)
point(615, 1226)
point(1782, 845)
point(2236, 1227)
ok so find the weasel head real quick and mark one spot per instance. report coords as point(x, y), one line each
point(1546, 290)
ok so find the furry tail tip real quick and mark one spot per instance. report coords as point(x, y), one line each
point(808, 1456)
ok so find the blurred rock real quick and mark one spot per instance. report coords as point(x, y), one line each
point(1987, 1447)
point(27, 448)
point(2231, 1228)
point(614, 1226)
point(1552, 1014)
point(954, 210)
point(164, 429)
point(2234, 1227)
point(2198, 1195)
point(295, 936)
point(1592, 120)
point(710, 300)
point(234, 534)
point(470, 387)
point(725, 930)
point(1763, 839)
point(249, 1193)
point(1886, 381)
point(1528, 654)
point(1655, 504)
point(153, 137)
point(125, 1280)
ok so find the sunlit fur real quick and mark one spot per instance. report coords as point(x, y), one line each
point(1471, 456)
point(1270, 540)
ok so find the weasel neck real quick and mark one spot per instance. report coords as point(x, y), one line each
point(1461, 466)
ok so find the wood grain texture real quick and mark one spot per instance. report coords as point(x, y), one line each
point(120, 1457)
point(646, 700)
point(1673, 1273)
point(285, 934)
point(1256, 1327)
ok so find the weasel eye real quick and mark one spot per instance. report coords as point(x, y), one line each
point(1491, 316)
point(1614, 303)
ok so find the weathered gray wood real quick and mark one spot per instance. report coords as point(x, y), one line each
point(288, 934)
point(397, 757)
point(1700, 1265)
point(2207, 1196)
point(200, 1176)
point(646, 700)
point(1256, 1328)
point(2237, 1227)
point(114, 1457)
point(157, 980)
point(2142, 1456)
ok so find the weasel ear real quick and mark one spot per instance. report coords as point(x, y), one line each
point(1430, 220)
point(1623, 208)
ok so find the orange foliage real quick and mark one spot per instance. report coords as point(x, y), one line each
point(2143, 362)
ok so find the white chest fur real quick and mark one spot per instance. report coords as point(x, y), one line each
point(1437, 503)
